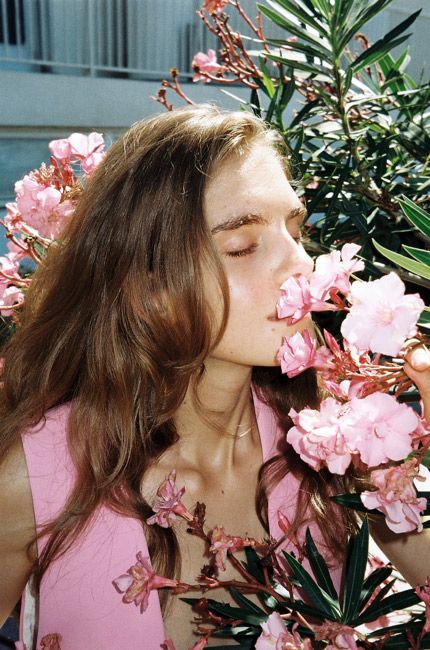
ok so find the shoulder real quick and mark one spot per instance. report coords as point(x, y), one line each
point(17, 529)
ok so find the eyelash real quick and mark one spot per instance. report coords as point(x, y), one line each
point(300, 239)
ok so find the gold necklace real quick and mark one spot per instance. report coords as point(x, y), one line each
point(240, 435)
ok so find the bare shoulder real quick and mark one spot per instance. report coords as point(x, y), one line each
point(17, 528)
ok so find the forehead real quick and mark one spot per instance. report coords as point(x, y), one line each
point(252, 182)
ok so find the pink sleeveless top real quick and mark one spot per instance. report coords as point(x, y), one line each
point(77, 598)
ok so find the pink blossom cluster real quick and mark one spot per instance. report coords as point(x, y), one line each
point(374, 429)
point(138, 582)
point(45, 201)
point(206, 64)
point(169, 503)
point(396, 496)
point(380, 317)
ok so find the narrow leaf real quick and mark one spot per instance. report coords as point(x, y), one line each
point(405, 262)
point(246, 602)
point(319, 567)
point(356, 568)
point(394, 602)
point(416, 215)
point(320, 598)
point(371, 582)
point(419, 254)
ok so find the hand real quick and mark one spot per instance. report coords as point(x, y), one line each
point(417, 367)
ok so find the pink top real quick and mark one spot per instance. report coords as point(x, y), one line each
point(77, 598)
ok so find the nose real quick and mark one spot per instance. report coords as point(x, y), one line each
point(294, 259)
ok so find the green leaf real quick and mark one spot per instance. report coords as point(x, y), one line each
point(300, 11)
point(291, 27)
point(405, 262)
point(416, 215)
point(305, 48)
point(267, 81)
point(371, 582)
point(253, 564)
point(418, 253)
point(359, 15)
point(320, 598)
point(227, 611)
point(355, 570)
point(426, 459)
point(375, 52)
point(319, 567)
point(297, 65)
point(394, 602)
point(246, 602)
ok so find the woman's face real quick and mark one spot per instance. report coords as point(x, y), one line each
point(255, 218)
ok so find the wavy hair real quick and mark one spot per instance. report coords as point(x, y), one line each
point(116, 322)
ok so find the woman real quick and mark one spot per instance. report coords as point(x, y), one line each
point(148, 344)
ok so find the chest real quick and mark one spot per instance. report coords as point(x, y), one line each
point(229, 503)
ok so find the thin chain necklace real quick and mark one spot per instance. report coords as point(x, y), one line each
point(238, 435)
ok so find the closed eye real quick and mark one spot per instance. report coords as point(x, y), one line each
point(243, 251)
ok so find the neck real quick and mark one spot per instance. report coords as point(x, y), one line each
point(212, 426)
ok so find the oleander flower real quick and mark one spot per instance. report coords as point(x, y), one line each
point(380, 428)
point(10, 298)
point(275, 636)
point(297, 353)
point(332, 271)
point(221, 543)
point(318, 438)
point(296, 300)
point(169, 503)
point(396, 497)
point(215, 6)
point(138, 582)
point(381, 316)
point(87, 149)
point(205, 63)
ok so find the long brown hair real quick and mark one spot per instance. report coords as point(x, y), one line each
point(116, 322)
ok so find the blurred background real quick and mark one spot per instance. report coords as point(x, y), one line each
point(84, 65)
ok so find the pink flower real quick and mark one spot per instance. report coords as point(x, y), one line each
point(88, 149)
point(381, 317)
point(297, 353)
point(333, 271)
point(275, 636)
point(41, 206)
point(61, 149)
point(10, 298)
point(221, 543)
point(205, 63)
point(296, 300)
point(215, 6)
point(20, 645)
point(318, 437)
point(341, 637)
point(396, 497)
point(424, 594)
point(380, 428)
point(138, 582)
point(169, 503)
point(9, 265)
point(13, 218)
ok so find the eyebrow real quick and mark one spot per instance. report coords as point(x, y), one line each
point(248, 219)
